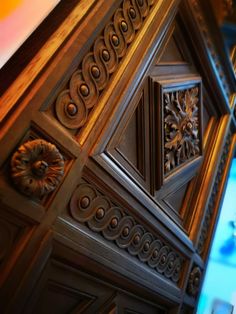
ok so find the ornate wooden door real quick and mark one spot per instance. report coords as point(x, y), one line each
point(116, 140)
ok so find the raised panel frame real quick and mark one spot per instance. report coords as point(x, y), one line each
point(189, 168)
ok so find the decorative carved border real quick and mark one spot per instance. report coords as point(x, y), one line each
point(97, 211)
point(97, 66)
point(211, 204)
point(210, 45)
point(179, 114)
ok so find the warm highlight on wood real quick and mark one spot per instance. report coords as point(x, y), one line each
point(116, 141)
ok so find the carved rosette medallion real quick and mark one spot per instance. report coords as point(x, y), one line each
point(88, 206)
point(37, 168)
point(181, 127)
point(194, 281)
point(97, 66)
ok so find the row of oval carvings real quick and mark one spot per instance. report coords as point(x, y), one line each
point(100, 215)
point(93, 74)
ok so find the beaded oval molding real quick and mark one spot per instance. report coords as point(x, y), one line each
point(101, 215)
point(37, 168)
point(95, 70)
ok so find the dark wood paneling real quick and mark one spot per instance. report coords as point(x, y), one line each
point(15, 232)
point(134, 104)
point(129, 146)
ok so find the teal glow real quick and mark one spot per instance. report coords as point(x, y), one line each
point(220, 278)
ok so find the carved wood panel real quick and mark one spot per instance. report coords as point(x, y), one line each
point(15, 233)
point(101, 215)
point(129, 147)
point(113, 162)
point(180, 118)
point(90, 296)
point(95, 70)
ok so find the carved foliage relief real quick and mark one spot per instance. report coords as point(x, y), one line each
point(37, 168)
point(88, 206)
point(182, 131)
point(95, 70)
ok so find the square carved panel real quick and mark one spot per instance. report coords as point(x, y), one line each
point(178, 108)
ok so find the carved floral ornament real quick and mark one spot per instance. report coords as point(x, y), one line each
point(94, 72)
point(37, 168)
point(88, 206)
point(181, 127)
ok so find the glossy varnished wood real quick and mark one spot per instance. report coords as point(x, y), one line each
point(116, 225)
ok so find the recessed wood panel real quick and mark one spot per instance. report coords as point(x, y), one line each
point(172, 53)
point(63, 299)
point(136, 100)
point(175, 199)
point(14, 235)
point(69, 289)
point(129, 147)
point(129, 142)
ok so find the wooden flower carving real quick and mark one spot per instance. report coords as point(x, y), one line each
point(37, 168)
point(181, 127)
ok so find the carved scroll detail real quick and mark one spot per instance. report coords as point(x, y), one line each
point(101, 215)
point(37, 168)
point(194, 281)
point(211, 204)
point(94, 72)
point(181, 127)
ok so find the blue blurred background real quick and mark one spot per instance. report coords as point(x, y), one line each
point(220, 278)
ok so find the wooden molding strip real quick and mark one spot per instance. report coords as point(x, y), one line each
point(216, 195)
point(31, 71)
point(206, 178)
